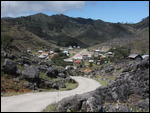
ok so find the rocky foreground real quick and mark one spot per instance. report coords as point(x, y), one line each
point(128, 93)
point(26, 72)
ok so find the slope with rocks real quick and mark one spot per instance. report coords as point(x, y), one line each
point(128, 93)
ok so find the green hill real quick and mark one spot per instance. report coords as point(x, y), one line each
point(61, 29)
point(16, 37)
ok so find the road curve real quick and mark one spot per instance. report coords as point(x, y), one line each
point(36, 102)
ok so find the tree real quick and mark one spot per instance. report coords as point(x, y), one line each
point(57, 50)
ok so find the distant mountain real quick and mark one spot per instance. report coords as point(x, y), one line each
point(62, 30)
point(18, 38)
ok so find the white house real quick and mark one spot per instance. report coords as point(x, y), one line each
point(65, 51)
point(45, 53)
point(70, 47)
point(78, 47)
point(78, 56)
point(145, 56)
point(110, 53)
point(40, 51)
point(41, 56)
point(51, 52)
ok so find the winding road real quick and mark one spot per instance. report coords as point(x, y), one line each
point(36, 102)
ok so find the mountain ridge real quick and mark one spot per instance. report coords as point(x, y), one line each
point(85, 32)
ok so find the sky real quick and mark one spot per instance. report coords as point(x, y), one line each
point(109, 11)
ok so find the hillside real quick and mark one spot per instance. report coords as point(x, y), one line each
point(61, 29)
point(18, 38)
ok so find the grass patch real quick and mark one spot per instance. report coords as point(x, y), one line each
point(103, 82)
point(43, 75)
point(50, 108)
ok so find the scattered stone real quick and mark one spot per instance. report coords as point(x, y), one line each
point(9, 67)
point(31, 73)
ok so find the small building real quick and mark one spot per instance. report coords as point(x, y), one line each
point(98, 62)
point(145, 56)
point(66, 52)
point(69, 61)
point(97, 51)
point(51, 52)
point(136, 57)
point(78, 62)
point(102, 57)
point(51, 56)
point(40, 51)
point(45, 53)
point(110, 53)
point(70, 48)
point(42, 56)
point(74, 46)
point(87, 56)
point(78, 47)
point(28, 51)
point(79, 57)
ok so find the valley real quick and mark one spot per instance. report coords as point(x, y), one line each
point(91, 64)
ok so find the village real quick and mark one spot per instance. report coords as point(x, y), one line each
point(76, 57)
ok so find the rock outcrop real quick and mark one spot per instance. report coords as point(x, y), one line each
point(131, 84)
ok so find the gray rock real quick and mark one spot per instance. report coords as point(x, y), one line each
point(143, 105)
point(42, 68)
point(62, 75)
point(9, 67)
point(3, 54)
point(31, 73)
point(16, 80)
point(48, 84)
point(19, 72)
point(31, 86)
point(55, 86)
point(61, 84)
point(25, 65)
point(115, 95)
point(61, 70)
point(124, 108)
point(70, 80)
point(52, 72)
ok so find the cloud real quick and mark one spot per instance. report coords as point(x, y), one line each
point(23, 8)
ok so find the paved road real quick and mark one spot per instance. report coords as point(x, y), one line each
point(36, 102)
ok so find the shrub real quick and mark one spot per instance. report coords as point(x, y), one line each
point(57, 50)
point(58, 60)
point(121, 53)
point(6, 40)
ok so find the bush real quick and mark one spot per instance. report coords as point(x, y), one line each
point(6, 40)
point(59, 60)
point(57, 50)
point(121, 53)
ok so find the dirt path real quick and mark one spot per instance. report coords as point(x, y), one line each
point(36, 102)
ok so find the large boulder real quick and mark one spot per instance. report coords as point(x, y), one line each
point(52, 72)
point(80, 103)
point(4, 54)
point(49, 84)
point(132, 66)
point(61, 84)
point(42, 68)
point(9, 67)
point(109, 68)
point(142, 105)
point(70, 80)
point(61, 70)
point(31, 86)
point(31, 73)
point(55, 86)
point(62, 75)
